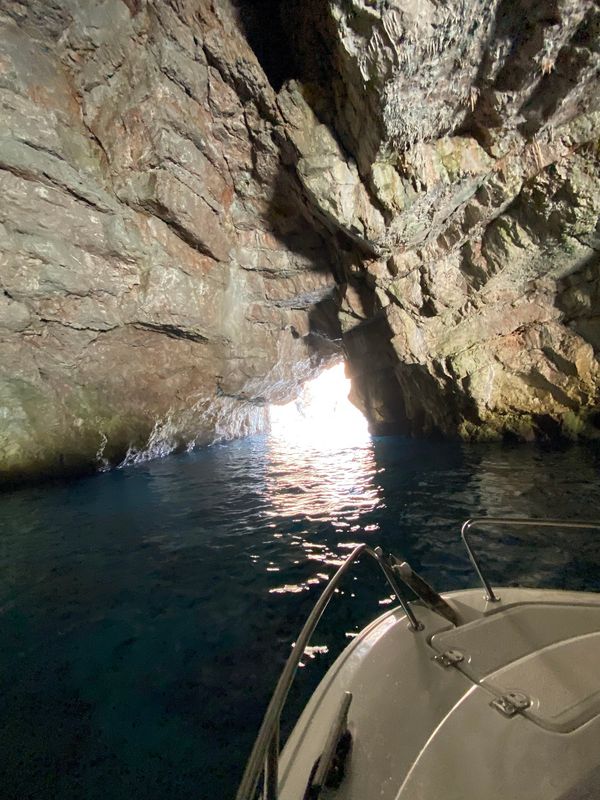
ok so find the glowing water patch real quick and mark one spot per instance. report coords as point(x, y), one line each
point(323, 416)
point(321, 462)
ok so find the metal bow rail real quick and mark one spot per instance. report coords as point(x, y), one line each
point(265, 753)
point(517, 522)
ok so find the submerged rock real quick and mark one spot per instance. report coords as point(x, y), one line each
point(186, 233)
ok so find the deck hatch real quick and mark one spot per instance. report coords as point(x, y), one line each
point(547, 651)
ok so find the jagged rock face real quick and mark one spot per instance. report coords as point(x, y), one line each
point(160, 279)
point(456, 151)
point(173, 225)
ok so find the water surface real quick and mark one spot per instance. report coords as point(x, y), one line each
point(145, 613)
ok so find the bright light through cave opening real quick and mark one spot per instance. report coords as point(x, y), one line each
point(322, 416)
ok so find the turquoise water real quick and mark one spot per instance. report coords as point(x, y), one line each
point(145, 613)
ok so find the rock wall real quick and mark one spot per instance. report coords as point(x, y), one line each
point(187, 232)
point(161, 279)
point(456, 147)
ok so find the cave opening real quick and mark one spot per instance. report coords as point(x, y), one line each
point(322, 416)
point(263, 24)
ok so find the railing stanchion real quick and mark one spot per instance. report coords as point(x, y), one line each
point(517, 522)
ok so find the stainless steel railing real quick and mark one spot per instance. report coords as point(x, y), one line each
point(519, 522)
point(264, 757)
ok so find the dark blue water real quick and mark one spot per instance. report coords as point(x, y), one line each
point(145, 613)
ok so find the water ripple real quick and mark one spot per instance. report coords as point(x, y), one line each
point(145, 613)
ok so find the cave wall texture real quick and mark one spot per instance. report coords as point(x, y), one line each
point(161, 281)
point(203, 202)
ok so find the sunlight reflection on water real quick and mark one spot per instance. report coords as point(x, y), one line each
point(320, 485)
point(320, 461)
point(333, 488)
point(149, 611)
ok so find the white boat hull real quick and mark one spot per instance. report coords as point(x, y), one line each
point(422, 731)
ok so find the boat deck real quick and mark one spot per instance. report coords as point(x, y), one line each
point(504, 706)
